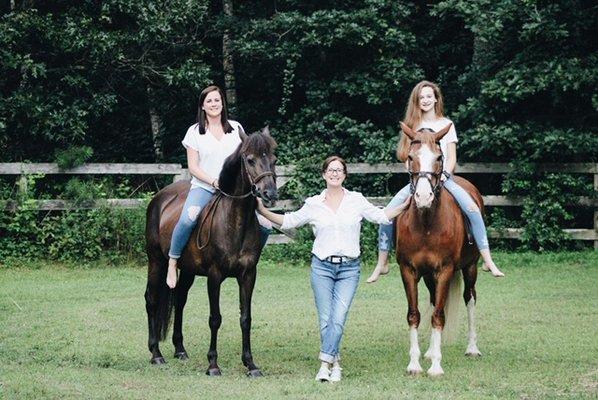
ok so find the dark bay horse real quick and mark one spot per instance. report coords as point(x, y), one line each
point(432, 243)
point(225, 243)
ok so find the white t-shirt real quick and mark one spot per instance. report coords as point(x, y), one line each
point(212, 152)
point(337, 233)
point(436, 126)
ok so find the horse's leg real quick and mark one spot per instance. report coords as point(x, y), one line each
point(182, 291)
point(409, 276)
point(215, 320)
point(443, 279)
point(246, 284)
point(470, 274)
point(157, 303)
point(431, 285)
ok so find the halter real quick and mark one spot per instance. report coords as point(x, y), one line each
point(426, 174)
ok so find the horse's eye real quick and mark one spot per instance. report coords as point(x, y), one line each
point(439, 158)
point(410, 158)
point(251, 161)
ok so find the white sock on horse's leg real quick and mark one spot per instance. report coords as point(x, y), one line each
point(472, 339)
point(414, 366)
point(435, 354)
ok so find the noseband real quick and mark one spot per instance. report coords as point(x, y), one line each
point(426, 174)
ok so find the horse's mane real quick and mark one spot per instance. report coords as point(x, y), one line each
point(256, 143)
point(425, 135)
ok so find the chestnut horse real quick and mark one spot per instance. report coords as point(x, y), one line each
point(432, 243)
point(225, 243)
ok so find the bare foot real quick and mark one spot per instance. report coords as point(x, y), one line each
point(171, 278)
point(379, 270)
point(497, 273)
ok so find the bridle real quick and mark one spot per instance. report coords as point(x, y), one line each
point(252, 182)
point(221, 193)
point(426, 174)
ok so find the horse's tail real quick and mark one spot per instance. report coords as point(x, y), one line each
point(451, 309)
point(164, 312)
point(159, 297)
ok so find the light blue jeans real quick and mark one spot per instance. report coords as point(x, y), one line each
point(334, 287)
point(197, 199)
point(386, 232)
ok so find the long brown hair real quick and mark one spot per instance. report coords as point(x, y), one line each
point(413, 114)
point(201, 114)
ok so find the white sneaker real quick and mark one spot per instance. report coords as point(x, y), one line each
point(323, 374)
point(335, 374)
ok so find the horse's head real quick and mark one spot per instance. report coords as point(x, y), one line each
point(257, 151)
point(425, 160)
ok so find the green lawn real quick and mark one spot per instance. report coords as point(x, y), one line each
point(82, 333)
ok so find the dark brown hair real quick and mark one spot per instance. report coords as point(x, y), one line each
point(201, 114)
point(331, 159)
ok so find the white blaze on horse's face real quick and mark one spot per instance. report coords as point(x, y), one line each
point(424, 194)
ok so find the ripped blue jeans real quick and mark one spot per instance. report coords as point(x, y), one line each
point(386, 233)
point(197, 199)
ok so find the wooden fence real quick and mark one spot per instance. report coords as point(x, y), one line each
point(21, 170)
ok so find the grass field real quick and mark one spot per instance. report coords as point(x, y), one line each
point(74, 333)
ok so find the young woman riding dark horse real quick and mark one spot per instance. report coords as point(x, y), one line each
point(225, 243)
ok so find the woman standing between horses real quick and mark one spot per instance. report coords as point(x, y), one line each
point(208, 142)
point(425, 110)
point(336, 216)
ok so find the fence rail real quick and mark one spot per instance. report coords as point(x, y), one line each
point(21, 170)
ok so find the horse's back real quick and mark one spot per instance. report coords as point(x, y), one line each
point(163, 213)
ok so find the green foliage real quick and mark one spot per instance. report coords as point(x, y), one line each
point(330, 77)
point(73, 156)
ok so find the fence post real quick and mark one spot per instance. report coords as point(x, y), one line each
point(22, 187)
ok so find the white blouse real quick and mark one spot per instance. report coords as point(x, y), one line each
point(337, 233)
point(212, 152)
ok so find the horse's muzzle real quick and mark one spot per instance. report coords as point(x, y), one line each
point(269, 197)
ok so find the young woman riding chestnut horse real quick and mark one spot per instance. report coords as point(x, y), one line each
point(432, 244)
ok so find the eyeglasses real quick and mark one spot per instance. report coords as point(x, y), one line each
point(337, 171)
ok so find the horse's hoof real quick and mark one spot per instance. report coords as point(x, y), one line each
point(414, 372)
point(214, 372)
point(158, 361)
point(182, 355)
point(473, 354)
point(255, 373)
point(434, 373)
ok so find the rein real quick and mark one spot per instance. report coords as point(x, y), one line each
point(426, 174)
point(221, 193)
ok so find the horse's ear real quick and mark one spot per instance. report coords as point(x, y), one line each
point(408, 131)
point(443, 131)
point(266, 130)
point(242, 133)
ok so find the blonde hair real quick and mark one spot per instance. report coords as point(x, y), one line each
point(413, 114)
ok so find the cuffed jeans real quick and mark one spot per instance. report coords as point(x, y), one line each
point(386, 232)
point(334, 287)
point(197, 199)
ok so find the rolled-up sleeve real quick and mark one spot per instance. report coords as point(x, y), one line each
point(297, 218)
point(372, 213)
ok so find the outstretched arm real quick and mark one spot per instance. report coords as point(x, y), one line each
point(393, 212)
point(271, 216)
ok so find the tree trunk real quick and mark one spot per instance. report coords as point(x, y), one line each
point(156, 126)
point(227, 61)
